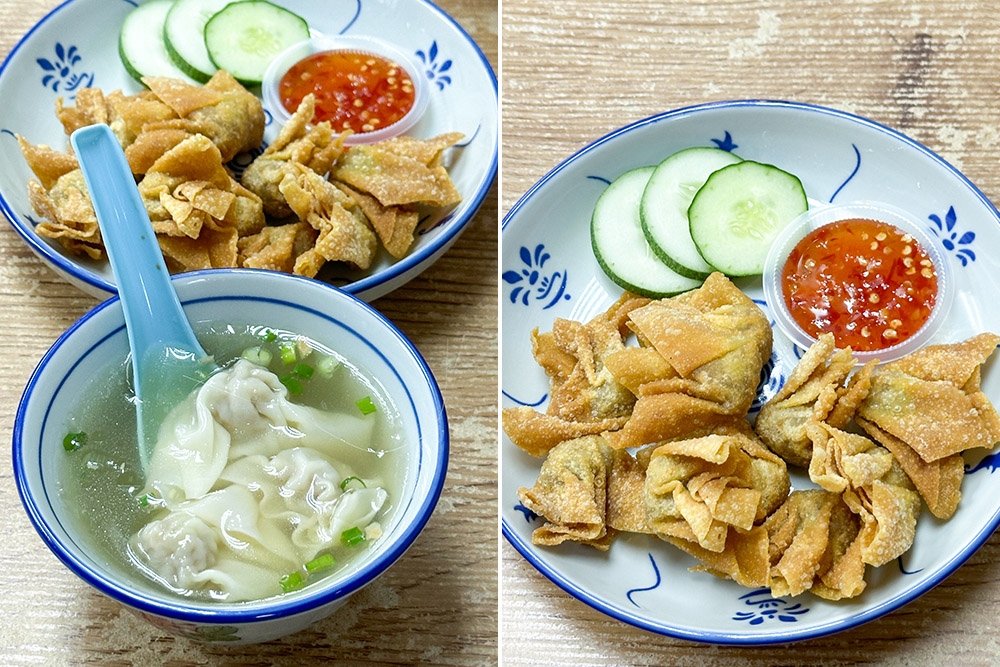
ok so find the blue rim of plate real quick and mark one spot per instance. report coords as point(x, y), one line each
point(253, 612)
point(397, 269)
point(525, 548)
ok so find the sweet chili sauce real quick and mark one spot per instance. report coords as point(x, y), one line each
point(869, 283)
point(355, 91)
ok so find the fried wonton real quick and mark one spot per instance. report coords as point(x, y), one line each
point(69, 213)
point(315, 147)
point(276, 247)
point(343, 231)
point(402, 170)
point(188, 189)
point(584, 397)
point(702, 488)
point(576, 493)
point(715, 341)
point(931, 399)
point(812, 539)
point(818, 389)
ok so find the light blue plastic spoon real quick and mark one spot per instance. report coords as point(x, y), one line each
point(168, 362)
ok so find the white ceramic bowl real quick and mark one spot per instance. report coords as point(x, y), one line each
point(331, 317)
point(352, 44)
point(824, 214)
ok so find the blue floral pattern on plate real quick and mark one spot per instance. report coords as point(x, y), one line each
point(839, 157)
point(61, 73)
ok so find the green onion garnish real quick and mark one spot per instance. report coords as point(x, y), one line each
point(327, 365)
point(366, 405)
point(288, 356)
point(291, 383)
point(144, 500)
point(257, 355)
point(304, 371)
point(324, 562)
point(353, 536)
point(268, 335)
point(352, 478)
point(74, 441)
point(292, 581)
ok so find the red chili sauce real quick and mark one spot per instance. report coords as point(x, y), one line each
point(355, 91)
point(869, 283)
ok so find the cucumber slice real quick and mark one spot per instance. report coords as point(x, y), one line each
point(620, 246)
point(140, 42)
point(245, 36)
point(184, 36)
point(738, 213)
point(665, 202)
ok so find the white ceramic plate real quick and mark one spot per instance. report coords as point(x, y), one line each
point(549, 271)
point(76, 46)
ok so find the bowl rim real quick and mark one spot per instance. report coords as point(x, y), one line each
point(271, 608)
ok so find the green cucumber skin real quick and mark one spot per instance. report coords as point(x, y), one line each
point(667, 283)
point(726, 248)
point(181, 15)
point(694, 158)
point(218, 28)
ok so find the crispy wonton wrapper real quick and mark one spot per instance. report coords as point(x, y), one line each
point(818, 389)
point(701, 489)
point(584, 397)
point(930, 399)
point(585, 491)
point(715, 341)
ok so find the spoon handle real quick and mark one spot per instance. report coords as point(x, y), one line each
point(167, 359)
point(153, 313)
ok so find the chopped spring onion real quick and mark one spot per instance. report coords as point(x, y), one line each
point(288, 355)
point(366, 405)
point(292, 384)
point(144, 500)
point(304, 371)
point(353, 536)
point(352, 478)
point(327, 365)
point(269, 335)
point(292, 581)
point(74, 441)
point(258, 355)
point(320, 563)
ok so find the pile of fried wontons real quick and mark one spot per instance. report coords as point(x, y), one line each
point(655, 439)
point(304, 201)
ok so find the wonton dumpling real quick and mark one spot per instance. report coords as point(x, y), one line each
point(250, 486)
point(248, 405)
point(817, 390)
point(716, 340)
point(930, 399)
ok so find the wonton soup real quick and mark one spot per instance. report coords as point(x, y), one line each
point(280, 470)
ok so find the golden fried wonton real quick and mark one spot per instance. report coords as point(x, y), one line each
point(703, 488)
point(584, 397)
point(575, 493)
point(715, 341)
point(817, 390)
point(931, 400)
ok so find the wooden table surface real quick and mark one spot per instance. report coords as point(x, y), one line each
point(573, 70)
point(436, 605)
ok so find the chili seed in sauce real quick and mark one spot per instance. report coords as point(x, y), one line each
point(354, 91)
point(869, 283)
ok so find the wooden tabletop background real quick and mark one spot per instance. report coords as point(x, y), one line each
point(573, 70)
point(436, 606)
